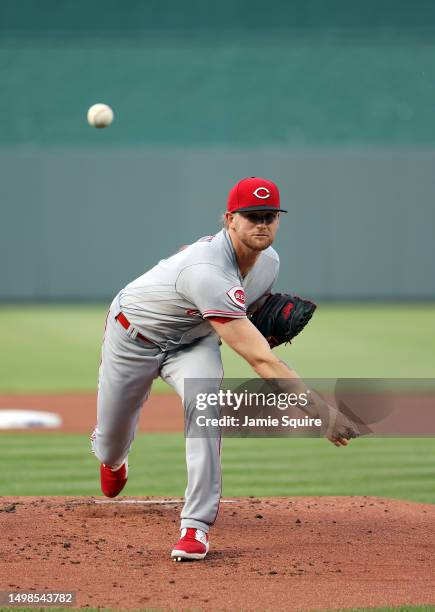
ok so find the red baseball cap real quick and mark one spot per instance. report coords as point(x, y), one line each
point(253, 193)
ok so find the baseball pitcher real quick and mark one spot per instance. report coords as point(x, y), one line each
point(169, 322)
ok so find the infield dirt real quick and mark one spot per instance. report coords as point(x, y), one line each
point(304, 553)
point(293, 553)
point(161, 413)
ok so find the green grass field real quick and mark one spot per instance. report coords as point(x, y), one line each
point(56, 349)
point(48, 464)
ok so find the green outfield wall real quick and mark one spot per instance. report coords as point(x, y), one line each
point(335, 101)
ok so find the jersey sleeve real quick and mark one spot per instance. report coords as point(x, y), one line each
point(213, 292)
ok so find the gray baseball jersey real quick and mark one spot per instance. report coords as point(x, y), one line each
point(170, 303)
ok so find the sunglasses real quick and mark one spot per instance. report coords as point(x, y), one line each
point(257, 218)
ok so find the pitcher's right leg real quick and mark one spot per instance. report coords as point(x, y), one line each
point(128, 368)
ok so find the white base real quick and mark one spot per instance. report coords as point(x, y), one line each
point(29, 419)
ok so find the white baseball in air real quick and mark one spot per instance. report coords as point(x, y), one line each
point(100, 115)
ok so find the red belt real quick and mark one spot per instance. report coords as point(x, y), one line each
point(126, 325)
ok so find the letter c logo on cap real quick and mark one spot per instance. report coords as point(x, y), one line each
point(264, 190)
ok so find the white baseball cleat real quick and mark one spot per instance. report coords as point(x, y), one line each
point(193, 545)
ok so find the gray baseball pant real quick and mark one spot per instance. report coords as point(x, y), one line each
point(128, 368)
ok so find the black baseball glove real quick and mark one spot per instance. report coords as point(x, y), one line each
point(282, 317)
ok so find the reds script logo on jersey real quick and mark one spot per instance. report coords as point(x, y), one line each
point(237, 295)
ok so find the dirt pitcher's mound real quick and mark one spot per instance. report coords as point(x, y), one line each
point(306, 553)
